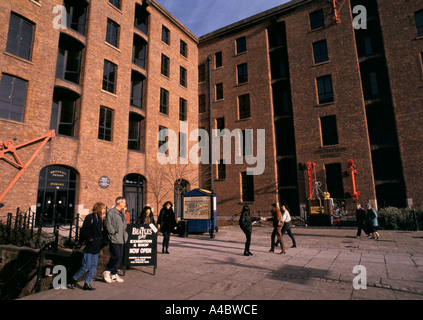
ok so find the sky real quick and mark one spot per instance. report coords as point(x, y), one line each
point(204, 16)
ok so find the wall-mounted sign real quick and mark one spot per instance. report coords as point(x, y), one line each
point(104, 182)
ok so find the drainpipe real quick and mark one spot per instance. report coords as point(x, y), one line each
point(209, 60)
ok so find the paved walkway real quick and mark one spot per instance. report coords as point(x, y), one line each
point(320, 268)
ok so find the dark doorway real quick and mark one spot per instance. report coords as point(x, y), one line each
point(133, 192)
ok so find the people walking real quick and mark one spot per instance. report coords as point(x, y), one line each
point(277, 228)
point(166, 223)
point(373, 223)
point(146, 216)
point(116, 229)
point(360, 215)
point(91, 235)
point(246, 224)
point(286, 218)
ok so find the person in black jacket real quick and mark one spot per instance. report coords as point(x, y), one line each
point(360, 215)
point(166, 223)
point(146, 216)
point(92, 235)
point(246, 223)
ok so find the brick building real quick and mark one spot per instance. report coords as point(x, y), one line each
point(114, 73)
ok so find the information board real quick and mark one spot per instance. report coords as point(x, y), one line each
point(197, 208)
point(141, 248)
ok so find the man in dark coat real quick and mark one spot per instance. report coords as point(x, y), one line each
point(360, 215)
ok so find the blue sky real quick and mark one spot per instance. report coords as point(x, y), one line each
point(204, 16)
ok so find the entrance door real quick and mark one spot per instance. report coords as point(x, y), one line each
point(133, 192)
point(56, 196)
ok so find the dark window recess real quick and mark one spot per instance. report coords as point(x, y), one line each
point(244, 106)
point(137, 89)
point(183, 145)
point(320, 51)
point(135, 131)
point(163, 138)
point(76, 15)
point(139, 50)
point(202, 73)
point(247, 143)
point(116, 3)
point(221, 170)
point(241, 45)
point(285, 144)
point(20, 37)
point(218, 60)
point(334, 181)
point(183, 77)
point(202, 103)
point(182, 109)
point(68, 63)
point(112, 34)
point(141, 19)
point(63, 117)
point(219, 91)
point(220, 123)
point(247, 187)
point(329, 130)
point(281, 98)
point(165, 35)
point(317, 20)
point(242, 73)
point(278, 64)
point(12, 97)
point(419, 22)
point(287, 175)
point(109, 76)
point(324, 89)
point(183, 49)
point(276, 34)
point(164, 101)
point(105, 124)
point(165, 66)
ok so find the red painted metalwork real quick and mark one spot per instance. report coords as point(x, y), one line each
point(8, 147)
point(352, 172)
point(337, 6)
point(310, 170)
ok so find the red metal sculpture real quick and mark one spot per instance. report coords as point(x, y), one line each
point(352, 172)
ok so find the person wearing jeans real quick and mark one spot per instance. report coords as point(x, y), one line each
point(91, 235)
point(116, 228)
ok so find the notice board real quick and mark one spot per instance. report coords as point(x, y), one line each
point(141, 248)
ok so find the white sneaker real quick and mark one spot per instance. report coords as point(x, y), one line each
point(116, 278)
point(106, 276)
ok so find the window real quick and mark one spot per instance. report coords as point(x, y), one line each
point(134, 131)
point(219, 91)
point(112, 34)
point(141, 19)
point(334, 183)
point(137, 85)
point(138, 52)
point(105, 124)
point(68, 63)
point(164, 101)
point(182, 145)
point(165, 35)
point(329, 130)
point(12, 97)
point(247, 144)
point(324, 89)
point(163, 138)
point(184, 49)
point(241, 45)
point(242, 73)
point(165, 66)
point(220, 123)
point(202, 103)
point(320, 50)
point(202, 73)
point(419, 22)
point(183, 77)
point(63, 117)
point(19, 38)
point(221, 170)
point(182, 109)
point(374, 88)
point(247, 182)
point(244, 106)
point(109, 76)
point(116, 3)
point(317, 20)
point(218, 60)
point(76, 15)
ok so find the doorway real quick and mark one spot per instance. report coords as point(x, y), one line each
point(56, 196)
point(133, 192)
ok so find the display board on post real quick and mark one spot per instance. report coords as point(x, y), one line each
point(141, 248)
point(197, 210)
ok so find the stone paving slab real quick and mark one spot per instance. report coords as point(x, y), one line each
point(320, 268)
